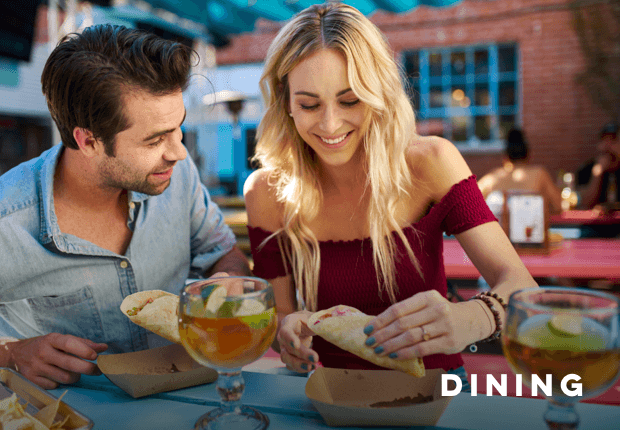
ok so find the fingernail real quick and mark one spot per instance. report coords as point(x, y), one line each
point(393, 355)
point(370, 340)
point(379, 350)
point(292, 345)
point(311, 358)
point(368, 329)
point(304, 366)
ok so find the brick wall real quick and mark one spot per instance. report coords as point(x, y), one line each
point(558, 117)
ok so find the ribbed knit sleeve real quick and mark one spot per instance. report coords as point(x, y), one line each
point(268, 260)
point(464, 207)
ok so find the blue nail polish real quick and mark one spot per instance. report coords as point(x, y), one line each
point(370, 340)
point(292, 345)
point(379, 350)
point(368, 329)
point(311, 358)
point(304, 366)
point(393, 355)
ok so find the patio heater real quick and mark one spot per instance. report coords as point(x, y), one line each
point(234, 102)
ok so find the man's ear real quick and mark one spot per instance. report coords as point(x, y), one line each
point(86, 141)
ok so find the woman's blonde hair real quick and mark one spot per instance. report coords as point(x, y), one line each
point(388, 128)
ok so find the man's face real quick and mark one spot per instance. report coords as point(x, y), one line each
point(610, 144)
point(145, 153)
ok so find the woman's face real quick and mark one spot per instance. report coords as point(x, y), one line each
point(327, 114)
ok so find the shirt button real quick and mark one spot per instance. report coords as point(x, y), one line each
point(124, 264)
point(132, 205)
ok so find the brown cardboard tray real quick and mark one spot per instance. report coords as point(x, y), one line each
point(38, 398)
point(155, 370)
point(347, 397)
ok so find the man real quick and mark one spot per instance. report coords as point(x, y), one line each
point(116, 209)
point(598, 179)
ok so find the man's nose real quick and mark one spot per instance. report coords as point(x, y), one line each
point(175, 150)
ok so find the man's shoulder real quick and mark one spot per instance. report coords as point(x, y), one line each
point(19, 187)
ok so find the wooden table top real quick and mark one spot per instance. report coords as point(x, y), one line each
point(578, 258)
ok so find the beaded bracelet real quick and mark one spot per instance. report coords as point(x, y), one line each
point(484, 297)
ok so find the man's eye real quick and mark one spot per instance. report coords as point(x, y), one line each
point(158, 141)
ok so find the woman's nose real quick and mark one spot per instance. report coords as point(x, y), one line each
point(331, 121)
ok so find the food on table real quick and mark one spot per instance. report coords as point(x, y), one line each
point(156, 311)
point(343, 326)
point(403, 401)
point(14, 417)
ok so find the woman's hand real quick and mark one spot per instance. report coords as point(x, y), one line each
point(426, 324)
point(295, 339)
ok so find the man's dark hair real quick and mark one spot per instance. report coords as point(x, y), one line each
point(516, 146)
point(610, 129)
point(87, 74)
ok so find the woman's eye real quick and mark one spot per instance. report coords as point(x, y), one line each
point(350, 103)
point(305, 107)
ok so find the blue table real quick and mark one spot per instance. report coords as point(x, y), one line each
point(283, 399)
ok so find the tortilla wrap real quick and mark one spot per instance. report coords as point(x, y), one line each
point(344, 327)
point(160, 316)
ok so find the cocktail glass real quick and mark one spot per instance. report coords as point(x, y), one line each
point(569, 335)
point(226, 323)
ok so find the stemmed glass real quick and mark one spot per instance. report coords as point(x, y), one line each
point(226, 323)
point(570, 334)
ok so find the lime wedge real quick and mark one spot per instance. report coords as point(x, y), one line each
point(214, 296)
point(566, 325)
point(250, 307)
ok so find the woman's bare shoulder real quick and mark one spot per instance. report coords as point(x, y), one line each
point(261, 201)
point(437, 162)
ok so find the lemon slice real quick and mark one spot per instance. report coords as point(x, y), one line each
point(214, 296)
point(566, 325)
point(250, 307)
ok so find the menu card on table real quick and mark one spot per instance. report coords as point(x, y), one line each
point(528, 222)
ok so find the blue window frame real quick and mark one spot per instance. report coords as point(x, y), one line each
point(470, 94)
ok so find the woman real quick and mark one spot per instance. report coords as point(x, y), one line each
point(517, 173)
point(350, 204)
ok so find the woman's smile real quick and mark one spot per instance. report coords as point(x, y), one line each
point(336, 142)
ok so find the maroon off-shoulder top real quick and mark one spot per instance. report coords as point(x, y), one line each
point(347, 275)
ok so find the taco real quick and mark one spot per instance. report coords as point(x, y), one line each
point(344, 327)
point(156, 311)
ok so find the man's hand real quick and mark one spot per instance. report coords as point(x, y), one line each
point(235, 263)
point(54, 359)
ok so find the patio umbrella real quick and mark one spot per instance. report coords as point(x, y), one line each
point(221, 18)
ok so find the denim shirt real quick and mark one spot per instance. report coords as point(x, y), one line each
point(56, 282)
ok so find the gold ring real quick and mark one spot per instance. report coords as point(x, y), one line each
point(425, 335)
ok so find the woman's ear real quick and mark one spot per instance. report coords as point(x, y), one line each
point(86, 141)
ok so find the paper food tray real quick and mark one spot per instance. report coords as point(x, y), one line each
point(376, 397)
point(38, 398)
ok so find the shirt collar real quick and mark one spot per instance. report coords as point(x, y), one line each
point(49, 222)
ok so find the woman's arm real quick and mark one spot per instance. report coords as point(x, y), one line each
point(293, 339)
point(552, 194)
point(427, 323)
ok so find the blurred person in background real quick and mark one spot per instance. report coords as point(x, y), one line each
point(516, 173)
point(350, 204)
point(116, 209)
point(598, 179)
point(597, 182)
